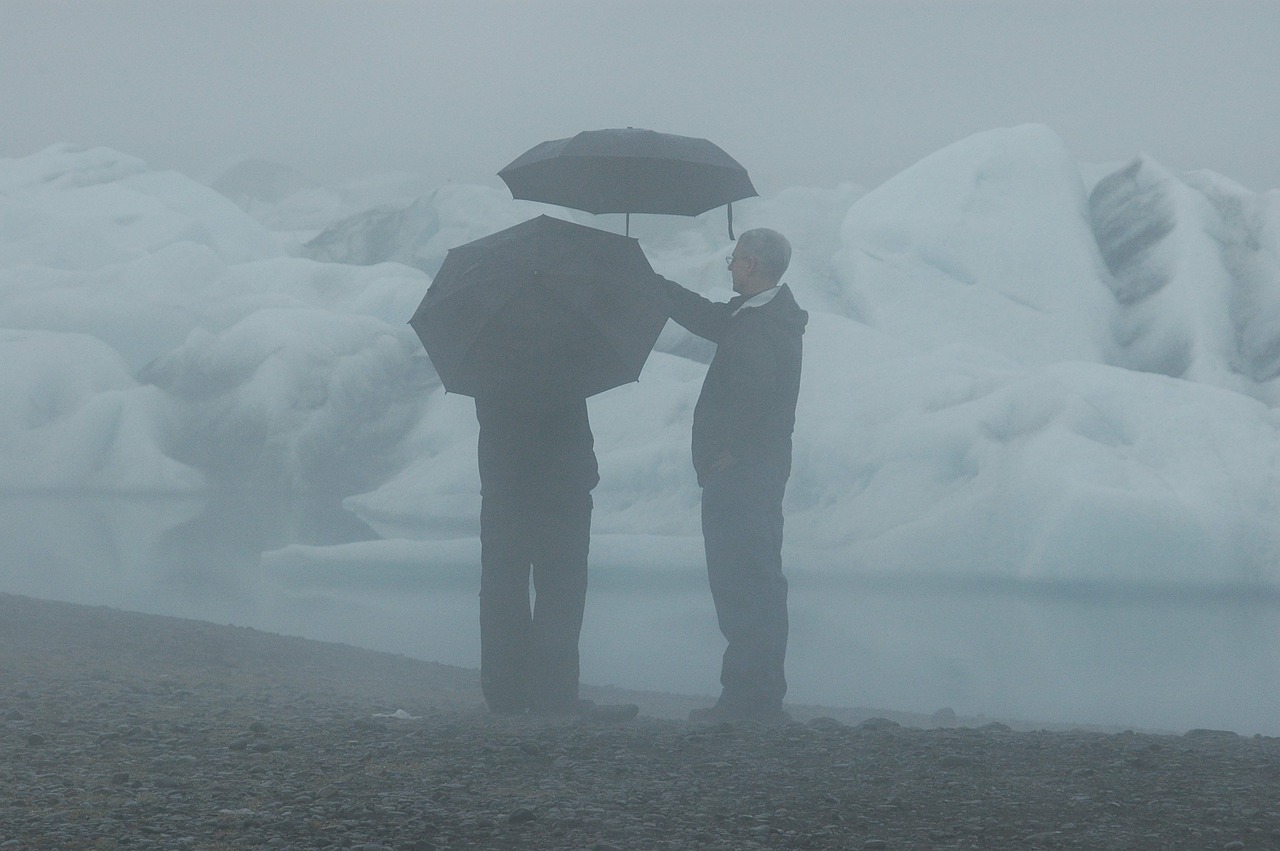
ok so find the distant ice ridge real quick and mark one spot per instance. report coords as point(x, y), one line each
point(1009, 372)
point(1195, 263)
point(74, 420)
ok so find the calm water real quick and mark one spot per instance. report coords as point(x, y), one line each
point(1158, 658)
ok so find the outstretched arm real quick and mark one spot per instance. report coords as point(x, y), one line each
point(696, 314)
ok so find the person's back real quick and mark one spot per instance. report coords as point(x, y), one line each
point(535, 445)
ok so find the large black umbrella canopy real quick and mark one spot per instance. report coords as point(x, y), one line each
point(629, 171)
point(547, 307)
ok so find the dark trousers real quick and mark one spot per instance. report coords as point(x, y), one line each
point(529, 655)
point(742, 531)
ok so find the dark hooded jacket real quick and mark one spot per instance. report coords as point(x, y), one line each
point(748, 402)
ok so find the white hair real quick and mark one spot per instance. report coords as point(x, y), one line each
point(771, 250)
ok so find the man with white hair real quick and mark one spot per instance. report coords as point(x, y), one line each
point(742, 455)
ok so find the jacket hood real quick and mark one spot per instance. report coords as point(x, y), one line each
point(783, 308)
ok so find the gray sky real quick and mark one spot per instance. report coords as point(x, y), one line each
point(802, 93)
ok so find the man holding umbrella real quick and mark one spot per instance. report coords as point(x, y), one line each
point(531, 321)
point(742, 428)
point(537, 469)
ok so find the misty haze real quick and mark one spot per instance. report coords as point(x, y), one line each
point(1035, 459)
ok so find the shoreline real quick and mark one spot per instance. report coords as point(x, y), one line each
point(170, 645)
point(120, 729)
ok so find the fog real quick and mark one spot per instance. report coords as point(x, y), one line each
point(1036, 447)
point(815, 93)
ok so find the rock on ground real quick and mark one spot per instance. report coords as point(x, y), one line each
point(120, 730)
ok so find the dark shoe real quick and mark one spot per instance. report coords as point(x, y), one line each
point(772, 716)
point(720, 713)
point(571, 709)
point(717, 714)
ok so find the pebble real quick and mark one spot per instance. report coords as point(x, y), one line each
point(281, 749)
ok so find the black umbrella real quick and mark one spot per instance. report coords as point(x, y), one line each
point(545, 307)
point(630, 171)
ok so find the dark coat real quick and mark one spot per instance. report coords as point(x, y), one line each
point(535, 449)
point(748, 402)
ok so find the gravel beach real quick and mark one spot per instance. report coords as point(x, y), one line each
point(124, 730)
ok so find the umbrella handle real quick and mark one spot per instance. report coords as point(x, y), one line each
point(628, 224)
point(731, 239)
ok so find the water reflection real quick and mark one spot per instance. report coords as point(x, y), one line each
point(86, 549)
point(214, 555)
point(1157, 657)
